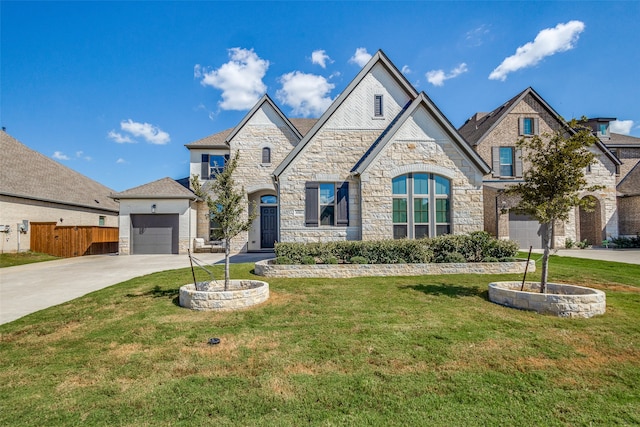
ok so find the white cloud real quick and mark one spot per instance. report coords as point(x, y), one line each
point(548, 42)
point(152, 134)
point(360, 57)
point(476, 36)
point(406, 69)
point(121, 161)
point(621, 126)
point(119, 138)
point(320, 58)
point(307, 94)
point(437, 77)
point(80, 155)
point(240, 79)
point(59, 155)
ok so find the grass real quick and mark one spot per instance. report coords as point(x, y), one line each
point(429, 350)
point(11, 259)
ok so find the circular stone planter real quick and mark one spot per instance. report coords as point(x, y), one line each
point(212, 296)
point(560, 300)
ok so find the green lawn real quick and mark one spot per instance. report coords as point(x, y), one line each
point(9, 260)
point(424, 351)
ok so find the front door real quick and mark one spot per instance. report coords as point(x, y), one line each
point(268, 226)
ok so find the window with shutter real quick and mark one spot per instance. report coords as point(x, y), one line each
point(311, 204)
point(326, 204)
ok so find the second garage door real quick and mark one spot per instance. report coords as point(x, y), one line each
point(154, 234)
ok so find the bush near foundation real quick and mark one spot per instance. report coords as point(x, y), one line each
point(475, 247)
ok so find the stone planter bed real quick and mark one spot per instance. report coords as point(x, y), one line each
point(267, 268)
point(561, 300)
point(241, 294)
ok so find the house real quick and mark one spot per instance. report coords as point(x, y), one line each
point(627, 150)
point(35, 188)
point(381, 162)
point(494, 135)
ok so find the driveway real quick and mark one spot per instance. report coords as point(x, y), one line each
point(25, 289)
point(629, 256)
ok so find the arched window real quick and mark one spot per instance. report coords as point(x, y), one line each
point(418, 199)
point(266, 155)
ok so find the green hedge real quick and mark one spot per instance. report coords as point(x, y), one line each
point(475, 247)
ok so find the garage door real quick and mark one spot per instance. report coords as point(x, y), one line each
point(154, 234)
point(524, 230)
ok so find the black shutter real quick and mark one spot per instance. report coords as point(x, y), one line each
point(496, 160)
point(342, 208)
point(311, 190)
point(204, 167)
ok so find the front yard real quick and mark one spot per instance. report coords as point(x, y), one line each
point(426, 350)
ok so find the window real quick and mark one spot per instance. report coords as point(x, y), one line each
point(326, 204)
point(268, 200)
point(266, 155)
point(506, 161)
point(212, 164)
point(528, 126)
point(603, 129)
point(101, 220)
point(429, 197)
point(377, 106)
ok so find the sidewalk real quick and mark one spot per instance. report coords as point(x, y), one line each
point(25, 289)
point(629, 256)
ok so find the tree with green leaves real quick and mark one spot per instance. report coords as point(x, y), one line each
point(226, 209)
point(555, 179)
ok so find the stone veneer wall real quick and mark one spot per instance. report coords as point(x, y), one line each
point(267, 269)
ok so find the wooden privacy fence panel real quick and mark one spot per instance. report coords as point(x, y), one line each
point(69, 241)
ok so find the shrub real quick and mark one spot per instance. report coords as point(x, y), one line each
point(474, 247)
point(308, 260)
point(569, 243)
point(627, 242)
point(584, 244)
point(358, 260)
point(329, 260)
point(455, 257)
point(490, 259)
point(283, 260)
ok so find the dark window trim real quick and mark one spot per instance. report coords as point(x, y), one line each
point(312, 204)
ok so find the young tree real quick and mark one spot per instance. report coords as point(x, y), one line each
point(226, 208)
point(554, 179)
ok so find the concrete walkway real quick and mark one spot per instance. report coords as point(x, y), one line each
point(59, 281)
point(629, 256)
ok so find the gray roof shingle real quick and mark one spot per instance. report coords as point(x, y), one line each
point(165, 188)
point(619, 140)
point(28, 174)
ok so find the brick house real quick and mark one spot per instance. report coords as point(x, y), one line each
point(381, 162)
point(494, 135)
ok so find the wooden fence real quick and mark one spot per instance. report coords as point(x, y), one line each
point(69, 241)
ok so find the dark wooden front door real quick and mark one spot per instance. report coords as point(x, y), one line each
point(268, 226)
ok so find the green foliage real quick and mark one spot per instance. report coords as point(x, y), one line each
point(626, 242)
point(308, 260)
point(583, 244)
point(283, 260)
point(474, 247)
point(358, 260)
point(11, 259)
point(455, 257)
point(490, 259)
point(569, 243)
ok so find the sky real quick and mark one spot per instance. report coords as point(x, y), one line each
point(114, 90)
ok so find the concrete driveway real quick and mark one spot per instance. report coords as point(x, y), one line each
point(629, 256)
point(25, 289)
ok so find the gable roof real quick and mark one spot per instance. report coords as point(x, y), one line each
point(432, 109)
point(475, 129)
point(28, 174)
point(264, 100)
point(165, 188)
point(619, 140)
point(630, 184)
point(379, 57)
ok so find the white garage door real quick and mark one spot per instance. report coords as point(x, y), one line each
point(524, 230)
point(154, 234)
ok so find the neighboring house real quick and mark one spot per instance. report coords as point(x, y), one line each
point(382, 162)
point(494, 135)
point(35, 188)
point(627, 149)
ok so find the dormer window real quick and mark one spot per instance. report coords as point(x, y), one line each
point(603, 129)
point(377, 106)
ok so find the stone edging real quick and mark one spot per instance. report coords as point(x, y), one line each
point(241, 294)
point(266, 269)
point(560, 300)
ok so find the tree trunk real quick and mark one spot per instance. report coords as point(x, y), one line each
point(547, 235)
point(227, 248)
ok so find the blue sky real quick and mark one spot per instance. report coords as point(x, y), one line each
point(115, 89)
